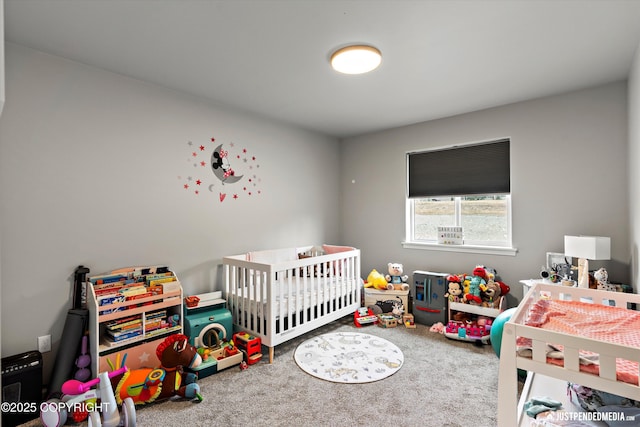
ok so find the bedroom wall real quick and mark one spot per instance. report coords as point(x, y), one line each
point(633, 162)
point(568, 176)
point(92, 172)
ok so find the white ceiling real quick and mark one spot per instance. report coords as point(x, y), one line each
point(440, 58)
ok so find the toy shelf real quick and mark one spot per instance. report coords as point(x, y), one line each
point(133, 326)
point(472, 330)
point(475, 309)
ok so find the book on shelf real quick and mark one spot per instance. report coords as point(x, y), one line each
point(121, 326)
point(156, 314)
point(120, 336)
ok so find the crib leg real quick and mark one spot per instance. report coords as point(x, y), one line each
point(270, 354)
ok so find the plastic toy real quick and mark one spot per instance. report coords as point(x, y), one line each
point(469, 330)
point(78, 395)
point(82, 363)
point(408, 321)
point(364, 316)
point(250, 346)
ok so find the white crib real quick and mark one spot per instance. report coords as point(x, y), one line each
point(280, 294)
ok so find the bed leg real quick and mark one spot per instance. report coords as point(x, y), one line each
point(270, 354)
point(508, 379)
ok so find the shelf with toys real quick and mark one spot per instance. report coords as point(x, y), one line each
point(474, 301)
point(131, 310)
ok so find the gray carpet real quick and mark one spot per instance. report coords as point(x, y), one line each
point(443, 383)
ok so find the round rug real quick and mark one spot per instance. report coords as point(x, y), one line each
point(349, 357)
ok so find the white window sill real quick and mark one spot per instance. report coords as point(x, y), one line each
point(489, 250)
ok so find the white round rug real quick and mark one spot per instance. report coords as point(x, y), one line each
point(349, 357)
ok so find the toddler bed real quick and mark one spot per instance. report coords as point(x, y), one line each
point(280, 294)
point(584, 336)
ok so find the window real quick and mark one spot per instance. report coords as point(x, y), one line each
point(467, 186)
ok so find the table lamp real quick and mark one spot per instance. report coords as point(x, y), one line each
point(586, 248)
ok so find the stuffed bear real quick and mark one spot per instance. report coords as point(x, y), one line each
point(396, 279)
point(454, 292)
point(491, 294)
point(377, 281)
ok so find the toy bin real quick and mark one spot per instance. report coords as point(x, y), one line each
point(386, 299)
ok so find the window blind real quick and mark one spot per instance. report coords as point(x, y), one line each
point(460, 171)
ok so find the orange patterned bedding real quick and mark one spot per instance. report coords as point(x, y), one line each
point(599, 322)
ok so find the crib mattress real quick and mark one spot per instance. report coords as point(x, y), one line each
point(599, 322)
point(317, 292)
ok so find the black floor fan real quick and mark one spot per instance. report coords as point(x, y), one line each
point(75, 326)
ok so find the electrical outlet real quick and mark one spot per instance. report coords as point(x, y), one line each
point(44, 343)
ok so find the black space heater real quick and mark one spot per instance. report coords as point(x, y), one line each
point(21, 388)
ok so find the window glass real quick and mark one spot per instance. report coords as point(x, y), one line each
point(431, 213)
point(484, 219)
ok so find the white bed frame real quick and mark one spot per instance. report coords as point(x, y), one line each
point(509, 409)
point(282, 300)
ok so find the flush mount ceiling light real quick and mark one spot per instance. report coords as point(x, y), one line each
point(356, 59)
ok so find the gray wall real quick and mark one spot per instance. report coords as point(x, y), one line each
point(89, 174)
point(568, 176)
point(633, 162)
point(90, 160)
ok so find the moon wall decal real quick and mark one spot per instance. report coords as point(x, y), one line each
point(220, 165)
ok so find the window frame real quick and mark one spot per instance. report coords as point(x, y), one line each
point(495, 248)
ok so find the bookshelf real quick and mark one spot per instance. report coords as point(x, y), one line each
point(130, 312)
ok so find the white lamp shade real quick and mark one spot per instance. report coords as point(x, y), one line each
point(588, 247)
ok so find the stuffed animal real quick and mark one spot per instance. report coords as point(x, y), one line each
point(146, 385)
point(602, 280)
point(377, 281)
point(454, 291)
point(478, 281)
point(504, 288)
point(396, 278)
point(437, 327)
point(491, 294)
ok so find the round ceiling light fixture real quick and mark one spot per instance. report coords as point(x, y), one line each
point(356, 59)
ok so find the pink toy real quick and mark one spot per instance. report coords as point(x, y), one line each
point(77, 394)
point(437, 327)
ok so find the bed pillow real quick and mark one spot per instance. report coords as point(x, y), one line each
point(333, 249)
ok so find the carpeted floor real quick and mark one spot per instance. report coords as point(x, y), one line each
point(443, 383)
